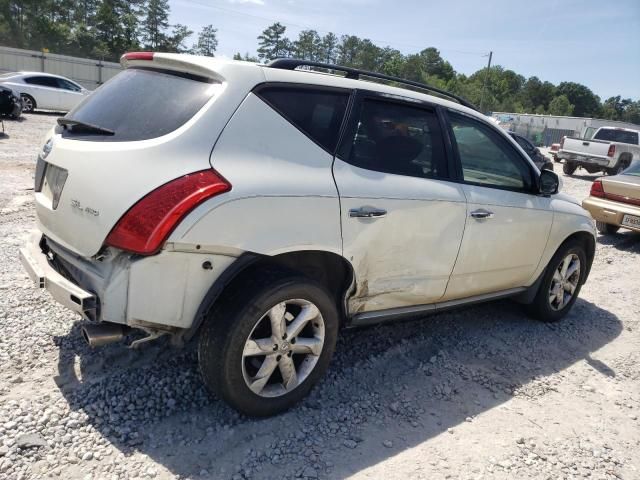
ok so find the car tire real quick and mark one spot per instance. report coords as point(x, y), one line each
point(28, 103)
point(607, 228)
point(619, 168)
point(232, 356)
point(547, 305)
point(569, 168)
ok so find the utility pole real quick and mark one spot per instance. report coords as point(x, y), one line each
point(486, 76)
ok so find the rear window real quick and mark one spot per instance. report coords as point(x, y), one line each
point(317, 112)
point(139, 104)
point(612, 135)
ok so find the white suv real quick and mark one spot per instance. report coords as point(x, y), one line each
point(262, 208)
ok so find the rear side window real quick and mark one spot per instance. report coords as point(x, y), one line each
point(139, 104)
point(612, 135)
point(67, 85)
point(42, 81)
point(318, 113)
point(398, 139)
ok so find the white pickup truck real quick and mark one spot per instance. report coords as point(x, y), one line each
point(611, 150)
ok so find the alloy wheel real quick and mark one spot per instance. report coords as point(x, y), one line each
point(27, 104)
point(283, 348)
point(564, 282)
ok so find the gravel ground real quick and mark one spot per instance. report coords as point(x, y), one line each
point(482, 392)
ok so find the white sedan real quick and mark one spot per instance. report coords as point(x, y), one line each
point(44, 90)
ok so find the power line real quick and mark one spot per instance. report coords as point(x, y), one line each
point(310, 27)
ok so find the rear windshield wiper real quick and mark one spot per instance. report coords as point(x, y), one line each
point(86, 127)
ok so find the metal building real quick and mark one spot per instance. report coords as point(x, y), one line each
point(543, 130)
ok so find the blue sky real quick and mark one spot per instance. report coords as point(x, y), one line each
point(593, 42)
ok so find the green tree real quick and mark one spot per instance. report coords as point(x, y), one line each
point(348, 49)
point(246, 57)
point(155, 23)
point(329, 48)
point(536, 93)
point(434, 64)
point(116, 29)
point(560, 105)
point(585, 102)
point(207, 42)
point(273, 43)
point(176, 42)
point(308, 46)
point(632, 112)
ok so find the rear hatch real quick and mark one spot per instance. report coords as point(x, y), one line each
point(154, 122)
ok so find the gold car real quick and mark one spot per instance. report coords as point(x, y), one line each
point(614, 202)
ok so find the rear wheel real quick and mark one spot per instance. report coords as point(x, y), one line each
point(569, 168)
point(561, 283)
point(607, 228)
point(619, 168)
point(28, 103)
point(269, 343)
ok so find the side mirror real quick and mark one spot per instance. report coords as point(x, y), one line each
point(549, 183)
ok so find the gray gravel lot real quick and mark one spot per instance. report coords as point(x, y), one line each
point(482, 392)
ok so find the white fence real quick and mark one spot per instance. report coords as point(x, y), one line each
point(89, 73)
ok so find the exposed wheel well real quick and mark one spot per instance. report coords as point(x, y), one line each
point(331, 270)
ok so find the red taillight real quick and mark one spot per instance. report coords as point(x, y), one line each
point(562, 143)
point(612, 151)
point(138, 56)
point(146, 226)
point(596, 189)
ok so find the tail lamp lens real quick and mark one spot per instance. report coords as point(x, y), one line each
point(596, 189)
point(138, 56)
point(612, 151)
point(146, 226)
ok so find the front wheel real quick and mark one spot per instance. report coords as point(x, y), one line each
point(561, 283)
point(269, 343)
point(28, 103)
point(569, 168)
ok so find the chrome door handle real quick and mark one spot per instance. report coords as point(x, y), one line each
point(367, 212)
point(481, 214)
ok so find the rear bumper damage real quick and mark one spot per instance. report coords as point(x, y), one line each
point(63, 291)
point(158, 294)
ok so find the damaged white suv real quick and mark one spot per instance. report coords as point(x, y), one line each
point(261, 208)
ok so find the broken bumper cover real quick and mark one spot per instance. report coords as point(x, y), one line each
point(65, 292)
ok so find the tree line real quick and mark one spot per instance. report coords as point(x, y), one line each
point(98, 28)
point(107, 28)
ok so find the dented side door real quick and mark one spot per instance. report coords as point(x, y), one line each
point(401, 232)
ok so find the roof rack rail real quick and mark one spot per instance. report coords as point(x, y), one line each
point(354, 73)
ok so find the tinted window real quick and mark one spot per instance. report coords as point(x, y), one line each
point(138, 104)
point(67, 85)
point(42, 81)
point(398, 139)
point(613, 135)
point(317, 113)
point(486, 158)
point(526, 146)
point(634, 170)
